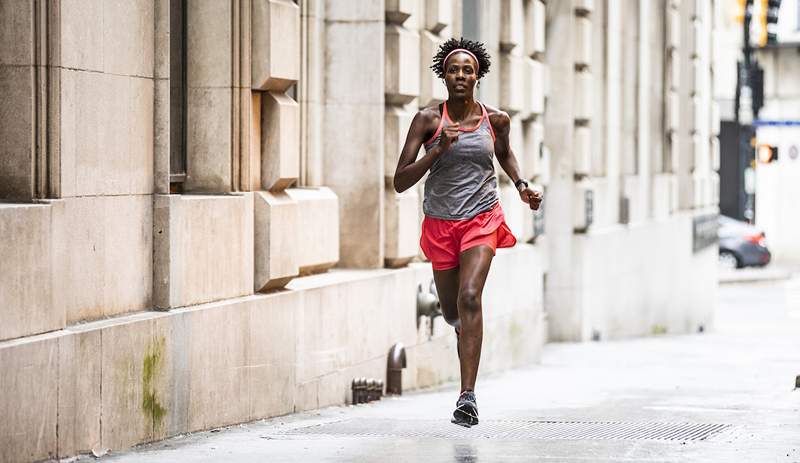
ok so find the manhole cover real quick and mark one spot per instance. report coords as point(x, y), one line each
point(513, 429)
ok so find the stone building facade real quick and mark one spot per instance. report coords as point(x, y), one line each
point(199, 219)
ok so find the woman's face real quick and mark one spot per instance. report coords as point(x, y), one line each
point(460, 75)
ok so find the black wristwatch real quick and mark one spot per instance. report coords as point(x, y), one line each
point(520, 182)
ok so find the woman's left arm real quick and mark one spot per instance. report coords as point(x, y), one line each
point(501, 123)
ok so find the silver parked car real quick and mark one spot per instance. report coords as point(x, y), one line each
point(741, 244)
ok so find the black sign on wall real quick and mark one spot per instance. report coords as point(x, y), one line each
point(704, 231)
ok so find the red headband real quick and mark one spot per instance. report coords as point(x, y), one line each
point(444, 61)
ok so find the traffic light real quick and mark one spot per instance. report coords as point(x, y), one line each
point(767, 153)
point(773, 7)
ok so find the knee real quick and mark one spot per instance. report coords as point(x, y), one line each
point(469, 300)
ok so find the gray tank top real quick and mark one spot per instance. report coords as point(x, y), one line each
point(461, 183)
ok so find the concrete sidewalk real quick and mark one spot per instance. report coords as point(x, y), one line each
point(739, 376)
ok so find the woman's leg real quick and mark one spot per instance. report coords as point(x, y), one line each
point(474, 267)
point(447, 289)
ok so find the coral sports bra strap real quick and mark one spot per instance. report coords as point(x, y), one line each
point(488, 121)
point(438, 129)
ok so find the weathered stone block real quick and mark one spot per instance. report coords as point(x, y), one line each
point(583, 41)
point(534, 86)
point(397, 11)
point(276, 240)
point(580, 211)
point(715, 118)
point(341, 84)
point(95, 234)
point(674, 70)
point(79, 391)
point(583, 96)
point(535, 28)
point(673, 111)
point(396, 125)
point(208, 140)
point(432, 90)
point(217, 352)
point(695, 115)
point(275, 44)
point(209, 38)
point(514, 209)
point(512, 24)
point(16, 32)
point(29, 404)
point(81, 34)
point(661, 195)
point(354, 11)
point(17, 133)
point(673, 29)
point(402, 58)
point(320, 244)
point(203, 248)
point(402, 227)
point(128, 37)
point(583, 150)
point(26, 258)
point(271, 353)
point(438, 15)
point(512, 96)
point(697, 84)
point(280, 147)
point(533, 137)
point(129, 359)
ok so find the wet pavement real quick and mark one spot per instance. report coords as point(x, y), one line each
point(721, 396)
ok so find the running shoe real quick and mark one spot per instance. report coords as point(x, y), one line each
point(466, 413)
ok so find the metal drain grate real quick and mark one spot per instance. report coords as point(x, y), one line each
point(510, 429)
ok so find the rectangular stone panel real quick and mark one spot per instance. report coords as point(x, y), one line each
point(533, 136)
point(129, 357)
point(402, 227)
point(534, 86)
point(95, 235)
point(697, 68)
point(535, 27)
point(583, 41)
point(208, 140)
point(280, 141)
point(17, 149)
point(511, 83)
point(319, 250)
point(29, 404)
point(271, 354)
point(276, 240)
point(674, 70)
point(203, 248)
point(673, 28)
point(128, 37)
point(432, 90)
point(26, 271)
point(715, 118)
point(209, 38)
point(16, 33)
point(401, 61)
point(396, 125)
point(673, 104)
point(106, 134)
point(275, 44)
point(438, 15)
point(583, 150)
point(79, 391)
point(584, 6)
point(583, 96)
point(512, 24)
point(82, 35)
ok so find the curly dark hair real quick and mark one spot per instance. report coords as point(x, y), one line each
point(476, 48)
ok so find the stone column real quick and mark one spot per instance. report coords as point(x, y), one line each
point(402, 87)
point(353, 126)
point(562, 297)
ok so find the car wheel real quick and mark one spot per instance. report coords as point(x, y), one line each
point(728, 260)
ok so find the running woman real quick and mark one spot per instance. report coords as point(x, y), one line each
point(464, 223)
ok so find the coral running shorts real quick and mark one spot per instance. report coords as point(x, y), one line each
point(443, 241)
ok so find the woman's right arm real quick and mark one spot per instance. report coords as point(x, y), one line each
point(410, 169)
